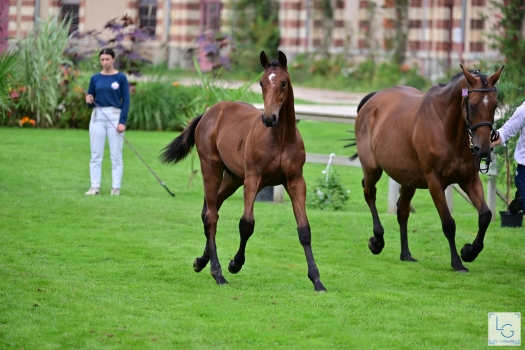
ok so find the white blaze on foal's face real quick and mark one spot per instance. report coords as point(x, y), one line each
point(486, 101)
point(272, 78)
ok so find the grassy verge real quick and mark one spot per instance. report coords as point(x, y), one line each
point(116, 272)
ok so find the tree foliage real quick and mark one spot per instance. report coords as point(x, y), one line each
point(255, 28)
point(508, 37)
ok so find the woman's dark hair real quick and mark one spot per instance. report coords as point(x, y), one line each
point(107, 51)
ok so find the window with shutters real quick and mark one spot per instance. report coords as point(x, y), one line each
point(148, 16)
point(70, 10)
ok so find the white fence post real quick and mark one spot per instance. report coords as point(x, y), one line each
point(393, 195)
point(449, 195)
point(278, 192)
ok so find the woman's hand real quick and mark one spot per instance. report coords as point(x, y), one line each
point(494, 137)
point(121, 128)
point(89, 99)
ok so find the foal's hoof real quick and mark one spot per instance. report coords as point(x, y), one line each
point(469, 253)
point(319, 287)
point(374, 246)
point(408, 258)
point(233, 268)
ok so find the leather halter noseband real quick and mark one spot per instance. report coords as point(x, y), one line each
point(471, 128)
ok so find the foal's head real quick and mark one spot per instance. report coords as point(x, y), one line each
point(479, 104)
point(275, 84)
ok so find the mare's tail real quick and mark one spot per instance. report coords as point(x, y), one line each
point(179, 148)
point(352, 140)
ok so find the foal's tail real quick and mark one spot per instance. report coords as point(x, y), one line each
point(352, 140)
point(179, 148)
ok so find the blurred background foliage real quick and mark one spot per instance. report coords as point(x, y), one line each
point(46, 86)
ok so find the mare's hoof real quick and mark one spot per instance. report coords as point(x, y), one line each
point(220, 280)
point(374, 246)
point(233, 268)
point(319, 287)
point(196, 266)
point(408, 258)
point(469, 253)
point(460, 268)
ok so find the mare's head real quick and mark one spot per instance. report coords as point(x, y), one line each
point(275, 84)
point(479, 104)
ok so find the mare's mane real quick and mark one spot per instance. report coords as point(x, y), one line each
point(476, 73)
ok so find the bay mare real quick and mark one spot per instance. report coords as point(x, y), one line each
point(429, 140)
point(240, 145)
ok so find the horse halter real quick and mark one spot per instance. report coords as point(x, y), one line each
point(471, 128)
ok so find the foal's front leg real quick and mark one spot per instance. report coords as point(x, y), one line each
point(246, 224)
point(297, 191)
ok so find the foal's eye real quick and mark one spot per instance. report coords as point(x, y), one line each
point(260, 83)
point(283, 84)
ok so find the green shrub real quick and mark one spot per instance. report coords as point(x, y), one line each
point(328, 193)
point(159, 105)
point(72, 111)
point(255, 28)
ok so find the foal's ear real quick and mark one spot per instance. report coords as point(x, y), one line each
point(470, 78)
point(281, 58)
point(264, 59)
point(495, 77)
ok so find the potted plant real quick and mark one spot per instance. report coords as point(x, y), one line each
point(507, 165)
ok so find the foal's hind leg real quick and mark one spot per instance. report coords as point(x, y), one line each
point(201, 262)
point(212, 176)
point(403, 212)
point(229, 185)
point(376, 243)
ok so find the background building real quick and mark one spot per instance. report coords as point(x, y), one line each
point(441, 33)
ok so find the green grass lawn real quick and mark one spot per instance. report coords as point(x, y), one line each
point(81, 272)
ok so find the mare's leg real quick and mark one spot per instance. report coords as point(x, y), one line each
point(437, 191)
point(372, 176)
point(403, 212)
point(246, 224)
point(474, 190)
point(296, 189)
point(229, 185)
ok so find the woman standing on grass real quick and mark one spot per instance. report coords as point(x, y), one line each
point(109, 93)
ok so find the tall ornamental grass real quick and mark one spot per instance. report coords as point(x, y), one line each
point(8, 75)
point(41, 59)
